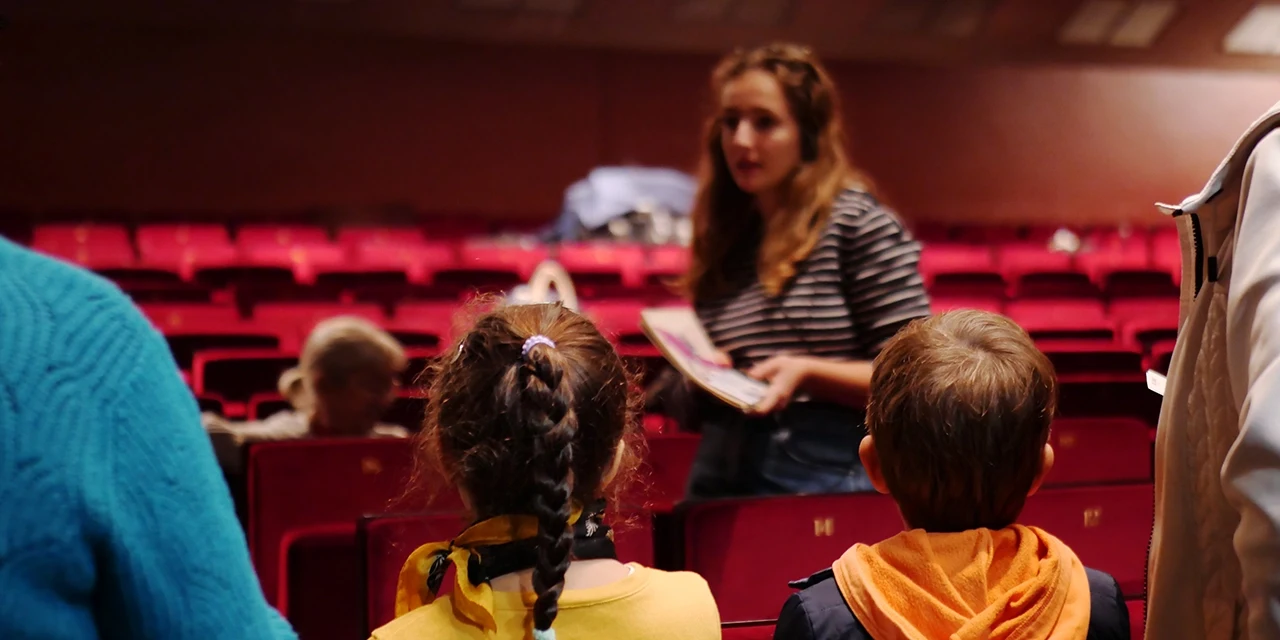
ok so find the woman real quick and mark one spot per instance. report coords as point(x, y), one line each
point(798, 274)
point(529, 419)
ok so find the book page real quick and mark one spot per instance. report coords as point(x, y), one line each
point(680, 337)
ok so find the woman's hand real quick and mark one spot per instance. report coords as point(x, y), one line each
point(718, 358)
point(785, 375)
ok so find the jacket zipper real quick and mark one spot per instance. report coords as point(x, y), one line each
point(1197, 250)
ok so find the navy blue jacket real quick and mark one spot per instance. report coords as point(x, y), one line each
point(820, 612)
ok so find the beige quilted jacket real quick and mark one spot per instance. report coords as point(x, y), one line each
point(1214, 568)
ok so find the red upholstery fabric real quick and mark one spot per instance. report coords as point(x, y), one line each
point(775, 540)
point(238, 374)
point(192, 327)
point(94, 246)
point(293, 321)
point(386, 541)
point(664, 474)
point(748, 631)
point(1107, 526)
point(666, 262)
point(305, 483)
point(259, 235)
point(1137, 617)
point(1100, 450)
point(594, 265)
point(321, 590)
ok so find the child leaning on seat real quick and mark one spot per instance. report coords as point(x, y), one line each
point(958, 417)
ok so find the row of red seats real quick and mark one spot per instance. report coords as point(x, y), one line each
point(307, 255)
point(330, 565)
point(1110, 265)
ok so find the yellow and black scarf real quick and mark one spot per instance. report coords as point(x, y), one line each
point(488, 549)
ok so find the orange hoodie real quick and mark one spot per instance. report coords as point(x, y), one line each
point(1018, 583)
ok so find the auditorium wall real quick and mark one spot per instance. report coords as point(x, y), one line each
point(164, 124)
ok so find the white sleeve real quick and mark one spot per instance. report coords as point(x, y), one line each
point(1251, 473)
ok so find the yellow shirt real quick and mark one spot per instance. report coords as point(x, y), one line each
point(646, 605)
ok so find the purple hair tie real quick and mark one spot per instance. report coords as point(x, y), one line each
point(534, 341)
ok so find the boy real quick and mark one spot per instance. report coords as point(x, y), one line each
point(958, 425)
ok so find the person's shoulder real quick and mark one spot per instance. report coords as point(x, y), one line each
point(823, 608)
point(855, 212)
point(428, 621)
point(680, 586)
point(64, 316)
point(46, 290)
point(1108, 615)
point(673, 604)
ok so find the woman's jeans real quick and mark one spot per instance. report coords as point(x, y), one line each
point(807, 448)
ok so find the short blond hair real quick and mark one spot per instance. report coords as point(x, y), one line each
point(346, 356)
point(959, 413)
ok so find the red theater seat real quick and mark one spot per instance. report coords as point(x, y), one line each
point(320, 592)
point(93, 246)
point(943, 303)
point(1100, 450)
point(380, 236)
point(601, 267)
point(1104, 360)
point(1166, 252)
point(190, 327)
point(1146, 321)
point(620, 322)
point(1137, 617)
point(665, 263)
point(1109, 527)
point(1116, 395)
point(293, 321)
point(1077, 319)
point(265, 235)
point(725, 540)
point(958, 270)
point(488, 265)
point(664, 474)
point(760, 630)
point(1035, 271)
point(306, 483)
point(238, 374)
point(387, 541)
point(424, 325)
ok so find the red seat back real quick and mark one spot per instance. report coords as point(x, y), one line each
point(762, 630)
point(1108, 527)
point(664, 474)
point(726, 540)
point(299, 484)
point(1098, 450)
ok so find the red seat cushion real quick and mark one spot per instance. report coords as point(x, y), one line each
point(725, 540)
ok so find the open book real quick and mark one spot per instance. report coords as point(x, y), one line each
point(680, 337)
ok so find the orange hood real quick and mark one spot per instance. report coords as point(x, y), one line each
point(1018, 583)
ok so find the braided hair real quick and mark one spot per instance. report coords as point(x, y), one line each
point(526, 415)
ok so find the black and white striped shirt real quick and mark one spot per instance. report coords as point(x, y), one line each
point(859, 285)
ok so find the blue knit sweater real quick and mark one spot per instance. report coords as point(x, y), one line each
point(114, 519)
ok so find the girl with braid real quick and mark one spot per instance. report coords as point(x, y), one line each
point(530, 418)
